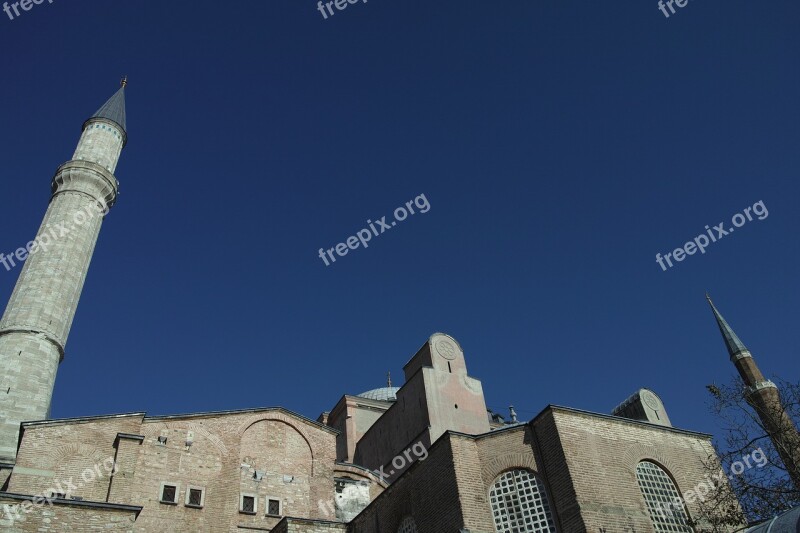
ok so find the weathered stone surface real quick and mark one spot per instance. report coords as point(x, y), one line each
point(37, 321)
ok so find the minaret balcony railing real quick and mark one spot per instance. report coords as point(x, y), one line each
point(86, 177)
point(740, 355)
point(761, 385)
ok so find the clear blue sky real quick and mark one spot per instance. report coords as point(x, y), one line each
point(561, 145)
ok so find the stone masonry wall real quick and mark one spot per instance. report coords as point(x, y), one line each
point(601, 454)
point(36, 324)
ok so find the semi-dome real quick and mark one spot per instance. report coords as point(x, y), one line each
point(386, 394)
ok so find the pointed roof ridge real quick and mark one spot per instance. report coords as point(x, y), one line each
point(114, 109)
point(732, 342)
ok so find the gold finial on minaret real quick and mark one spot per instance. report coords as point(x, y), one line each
point(388, 379)
point(124, 81)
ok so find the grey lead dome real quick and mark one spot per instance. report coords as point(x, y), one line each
point(386, 394)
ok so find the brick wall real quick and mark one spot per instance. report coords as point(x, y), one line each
point(397, 428)
point(586, 462)
point(62, 518)
point(556, 473)
point(297, 525)
point(598, 455)
point(428, 492)
point(122, 483)
point(296, 456)
point(77, 455)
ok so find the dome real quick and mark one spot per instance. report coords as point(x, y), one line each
point(786, 523)
point(385, 394)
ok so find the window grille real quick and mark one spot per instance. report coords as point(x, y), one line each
point(407, 526)
point(169, 493)
point(249, 504)
point(661, 494)
point(520, 504)
point(195, 497)
point(274, 507)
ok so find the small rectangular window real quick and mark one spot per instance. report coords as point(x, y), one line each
point(273, 507)
point(169, 493)
point(195, 497)
point(248, 503)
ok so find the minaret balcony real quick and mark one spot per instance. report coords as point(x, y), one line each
point(86, 177)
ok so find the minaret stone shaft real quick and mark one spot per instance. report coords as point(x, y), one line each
point(37, 321)
point(763, 395)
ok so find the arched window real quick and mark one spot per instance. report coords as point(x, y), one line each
point(407, 526)
point(519, 504)
point(661, 495)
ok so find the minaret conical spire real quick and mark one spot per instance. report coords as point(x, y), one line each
point(114, 109)
point(763, 396)
point(735, 346)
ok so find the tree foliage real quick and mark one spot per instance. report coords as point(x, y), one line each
point(760, 485)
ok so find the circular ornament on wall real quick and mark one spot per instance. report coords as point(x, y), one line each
point(650, 399)
point(446, 349)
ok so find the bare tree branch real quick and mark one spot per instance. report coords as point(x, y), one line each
point(760, 486)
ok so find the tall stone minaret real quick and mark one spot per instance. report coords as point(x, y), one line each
point(36, 323)
point(763, 395)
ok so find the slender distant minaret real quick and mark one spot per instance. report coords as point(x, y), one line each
point(763, 396)
point(36, 323)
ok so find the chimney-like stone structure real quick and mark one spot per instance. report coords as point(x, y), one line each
point(644, 405)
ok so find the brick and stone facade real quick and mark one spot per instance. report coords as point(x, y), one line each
point(424, 457)
point(26, 514)
point(270, 453)
point(585, 461)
